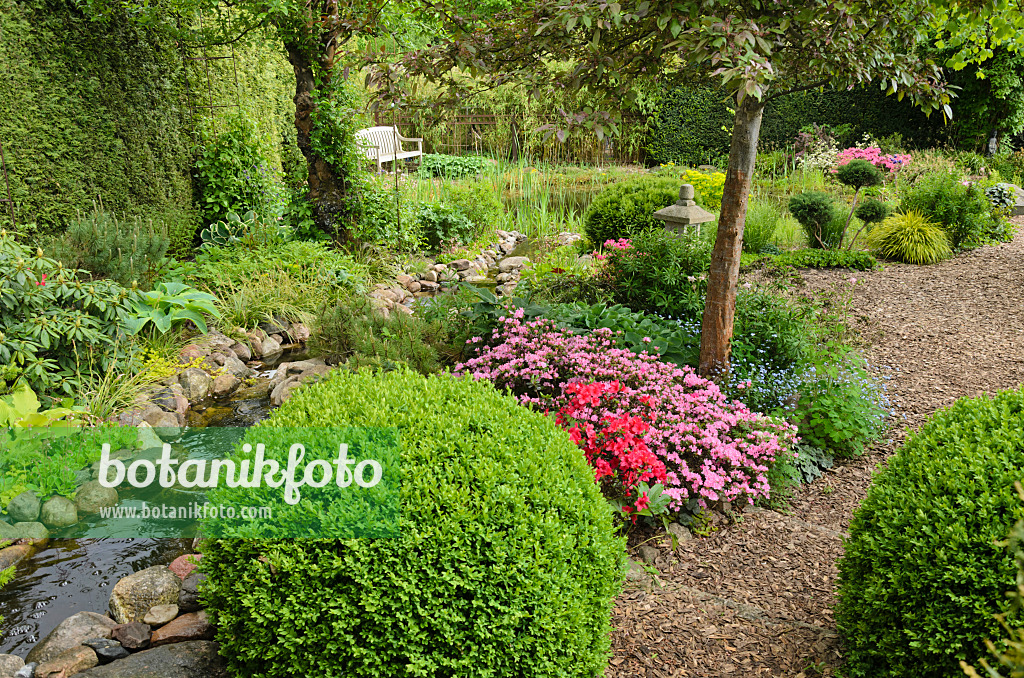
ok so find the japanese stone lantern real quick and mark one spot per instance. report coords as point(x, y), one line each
point(684, 213)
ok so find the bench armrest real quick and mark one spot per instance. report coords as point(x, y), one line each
point(401, 138)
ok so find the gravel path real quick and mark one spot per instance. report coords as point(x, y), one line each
point(754, 598)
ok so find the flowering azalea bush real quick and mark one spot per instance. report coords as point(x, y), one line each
point(711, 448)
point(890, 163)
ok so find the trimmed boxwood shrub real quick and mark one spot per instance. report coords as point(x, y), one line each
point(923, 574)
point(506, 565)
point(627, 208)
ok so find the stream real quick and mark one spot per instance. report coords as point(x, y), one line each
point(76, 575)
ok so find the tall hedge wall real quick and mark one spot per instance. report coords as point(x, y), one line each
point(91, 111)
point(692, 125)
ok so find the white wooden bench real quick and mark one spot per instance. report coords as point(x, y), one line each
point(384, 144)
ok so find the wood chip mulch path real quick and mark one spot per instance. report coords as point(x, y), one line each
point(755, 597)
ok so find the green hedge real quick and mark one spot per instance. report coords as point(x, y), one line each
point(627, 208)
point(693, 125)
point(506, 565)
point(923, 572)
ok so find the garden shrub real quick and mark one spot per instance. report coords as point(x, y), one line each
point(962, 211)
point(807, 258)
point(453, 166)
point(352, 329)
point(380, 218)
point(712, 448)
point(506, 563)
point(627, 208)
point(708, 187)
point(923, 571)
point(122, 250)
point(871, 211)
point(477, 201)
point(759, 228)
point(910, 238)
point(443, 225)
point(56, 327)
point(818, 217)
point(658, 271)
point(231, 174)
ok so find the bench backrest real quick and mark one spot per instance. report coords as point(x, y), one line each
point(385, 138)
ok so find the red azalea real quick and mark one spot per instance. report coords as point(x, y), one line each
point(43, 281)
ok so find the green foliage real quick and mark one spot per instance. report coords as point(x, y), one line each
point(1002, 196)
point(627, 208)
point(910, 238)
point(818, 216)
point(859, 173)
point(92, 111)
point(231, 174)
point(840, 403)
point(353, 330)
point(55, 325)
point(506, 563)
point(444, 225)
point(380, 220)
point(249, 230)
point(335, 121)
point(923, 571)
point(453, 166)
point(871, 211)
point(759, 228)
point(170, 304)
point(478, 201)
point(807, 258)
point(126, 251)
point(962, 211)
point(659, 273)
point(6, 576)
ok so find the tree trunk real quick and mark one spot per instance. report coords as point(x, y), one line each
point(720, 309)
point(328, 188)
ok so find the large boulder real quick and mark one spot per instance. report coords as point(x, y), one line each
point(9, 664)
point(59, 512)
point(198, 659)
point(512, 264)
point(68, 663)
point(92, 496)
point(187, 627)
point(12, 555)
point(134, 595)
point(133, 636)
point(195, 384)
point(188, 599)
point(224, 385)
point(31, 530)
point(24, 508)
point(237, 368)
point(70, 633)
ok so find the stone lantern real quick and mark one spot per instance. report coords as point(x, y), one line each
point(685, 212)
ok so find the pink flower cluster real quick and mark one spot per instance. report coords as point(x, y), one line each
point(890, 163)
point(620, 244)
point(711, 448)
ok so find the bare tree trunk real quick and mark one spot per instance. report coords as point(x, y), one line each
point(328, 189)
point(720, 309)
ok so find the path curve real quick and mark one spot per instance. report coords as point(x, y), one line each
point(755, 597)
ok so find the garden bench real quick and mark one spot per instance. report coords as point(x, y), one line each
point(384, 144)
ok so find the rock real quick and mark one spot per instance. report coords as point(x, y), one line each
point(503, 277)
point(130, 417)
point(180, 401)
point(218, 359)
point(275, 326)
point(237, 368)
point(426, 286)
point(649, 554)
point(460, 264)
point(506, 247)
point(512, 263)
point(12, 555)
point(413, 286)
point(283, 391)
point(187, 627)
point(429, 276)
point(134, 595)
point(164, 399)
point(404, 279)
point(24, 508)
point(476, 279)
point(183, 566)
point(199, 659)
point(188, 599)
point(241, 351)
point(681, 532)
point(225, 384)
point(133, 637)
point(69, 663)
point(256, 344)
point(190, 354)
point(106, 650)
point(195, 384)
point(9, 664)
point(299, 333)
point(92, 497)
point(31, 530)
point(161, 419)
point(637, 573)
point(70, 633)
point(59, 512)
point(148, 439)
point(26, 671)
point(270, 348)
point(160, 615)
